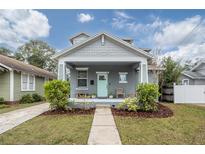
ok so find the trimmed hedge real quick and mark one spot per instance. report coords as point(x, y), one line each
point(2, 100)
point(147, 95)
point(57, 93)
point(146, 100)
point(26, 99)
point(37, 98)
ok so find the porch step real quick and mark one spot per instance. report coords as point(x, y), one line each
point(102, 105)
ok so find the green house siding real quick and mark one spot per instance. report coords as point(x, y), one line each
point(4, 85)
point(39, 82)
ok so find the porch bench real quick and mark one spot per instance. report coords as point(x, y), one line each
point(82, 95)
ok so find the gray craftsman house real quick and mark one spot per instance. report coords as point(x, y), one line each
point(104, 65)
point(196, 76)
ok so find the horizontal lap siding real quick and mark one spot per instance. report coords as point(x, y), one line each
point(17, 86)
point(4, 85)
point(109, 49)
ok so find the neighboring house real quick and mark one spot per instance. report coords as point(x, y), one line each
point(103, 63)
point(196, 76)
point(18, 79)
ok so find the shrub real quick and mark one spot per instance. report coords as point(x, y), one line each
point(36, 97)
point(26, 99)
point(1, 100)
point(2, 106)
point(56, 93)
point(129, 103)
point(147, 94)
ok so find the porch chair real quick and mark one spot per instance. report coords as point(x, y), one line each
point(120, 92)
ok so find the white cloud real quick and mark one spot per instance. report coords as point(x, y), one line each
point(183, 40)
point(122, 20)
point(19, 26)
point(83, 17)
point(121, 14)
point(191, 52)
point(180, 33)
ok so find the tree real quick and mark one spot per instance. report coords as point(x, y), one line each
point(37, 53)
point(172, 72)
point(5, 51)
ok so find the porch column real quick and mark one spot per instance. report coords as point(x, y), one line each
point(11, 85)
point(143, 73)
point(61, 70)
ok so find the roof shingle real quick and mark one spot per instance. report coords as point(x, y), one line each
point(27, 68)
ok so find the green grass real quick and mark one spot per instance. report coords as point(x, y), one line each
point(50, 129)
point(6, 108)
point(187, 126)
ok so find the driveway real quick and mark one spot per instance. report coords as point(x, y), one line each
point(12, 119)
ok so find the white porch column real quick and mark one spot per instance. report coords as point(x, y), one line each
point(11, 85)
point(61, 70)
point(143, 72)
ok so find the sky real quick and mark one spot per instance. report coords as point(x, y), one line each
point(176, 33)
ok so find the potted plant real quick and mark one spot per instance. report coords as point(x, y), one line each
point(93, 95)
point(110, 95)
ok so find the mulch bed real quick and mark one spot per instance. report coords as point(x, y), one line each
point(75, 111)
point(163, 112)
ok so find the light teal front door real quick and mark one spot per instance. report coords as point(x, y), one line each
point(102, 85)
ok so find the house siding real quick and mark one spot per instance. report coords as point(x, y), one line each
point(191, 81)
point(109, 51)
point(80, 38)
point(199, 82)
point(39, 82)
point(201, 69)
point(113, 79)
point(5, 85)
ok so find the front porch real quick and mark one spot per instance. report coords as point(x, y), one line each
point(103, 79)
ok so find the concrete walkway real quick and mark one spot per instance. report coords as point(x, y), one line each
point(103, 130)
point(12, 119)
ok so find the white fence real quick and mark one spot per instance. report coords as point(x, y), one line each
point(189, 93)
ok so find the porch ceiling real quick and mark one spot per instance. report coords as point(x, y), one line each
point(101, 63)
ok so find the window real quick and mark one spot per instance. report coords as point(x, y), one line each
point(27, 82)
point(123, 77)
point(185, 81)
point(82, 79)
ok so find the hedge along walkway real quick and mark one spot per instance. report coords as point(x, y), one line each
point(12, 119)
point(103, 130)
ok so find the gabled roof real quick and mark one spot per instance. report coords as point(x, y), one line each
point(10, 63)
point(76, 35)
point(119, 40)
point(197, 65)
point(193, 75)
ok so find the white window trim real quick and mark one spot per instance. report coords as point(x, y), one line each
point(82, 69)
point(185, 80)
point(28, 77)
point(123, 73)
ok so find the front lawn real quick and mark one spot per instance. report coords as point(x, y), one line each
point(187, 126)
point(7, 108)
point(50, 129)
